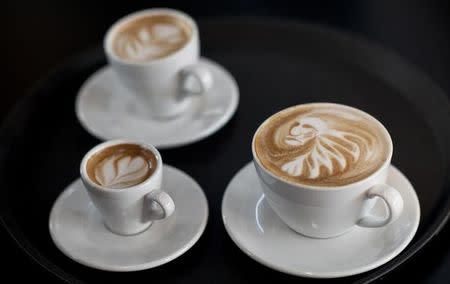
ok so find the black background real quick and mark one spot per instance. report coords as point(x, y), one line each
point(39, 35)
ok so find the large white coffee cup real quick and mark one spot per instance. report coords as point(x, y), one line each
point(130, 210)
point(165, 85)
point(324, 212)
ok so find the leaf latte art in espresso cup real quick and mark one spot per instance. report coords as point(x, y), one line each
point(121, 166)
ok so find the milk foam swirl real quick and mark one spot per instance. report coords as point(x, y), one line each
point(120, 171)
point(322, 145)
point(151, 38)
point(121, 166)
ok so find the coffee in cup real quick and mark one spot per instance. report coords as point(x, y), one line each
point(322, 145)
point(151, 37)
point(322, 167)
point(121, 166)
point(155, 55)
point(124, 181)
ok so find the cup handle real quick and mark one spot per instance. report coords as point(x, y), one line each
point(391, 198)
point(160, 205)
point(195, 80)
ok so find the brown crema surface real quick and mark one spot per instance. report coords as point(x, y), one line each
point(115, 154)
point(322, 144)
point(128, 37)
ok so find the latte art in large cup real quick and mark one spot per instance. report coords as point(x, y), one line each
point(322, 144)
point(150, 37)
point(121, 166)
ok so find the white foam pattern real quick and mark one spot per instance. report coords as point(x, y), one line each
point(150, 42)
point(119, 171)
point(330, 145)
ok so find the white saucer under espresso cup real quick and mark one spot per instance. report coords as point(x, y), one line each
point(158, 60)
point(78, 231)
point(125, 186)
point(326, 140)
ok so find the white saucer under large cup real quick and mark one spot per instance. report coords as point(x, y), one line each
point(258, 231)
point(79, 232)
point(108, 111)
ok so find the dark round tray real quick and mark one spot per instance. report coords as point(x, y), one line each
point(276, 64)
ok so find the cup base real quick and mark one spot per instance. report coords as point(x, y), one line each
point(322, 236)
point(161, 113)
point(128, 234)
point(181, 109)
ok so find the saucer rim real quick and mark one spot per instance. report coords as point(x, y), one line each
point(69, 189)
point(205, 133)
point(333, 274)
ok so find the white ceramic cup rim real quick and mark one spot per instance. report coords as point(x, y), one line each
point(110, 143)
point(109, 36)
point(385, 164)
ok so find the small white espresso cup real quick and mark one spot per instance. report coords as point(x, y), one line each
point(325, 212)
point(129, 210)
point(165, 85)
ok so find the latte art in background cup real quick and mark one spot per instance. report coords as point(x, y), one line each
point(322, 144)
point(155, 55)
point(323, 166)
point(151, 37)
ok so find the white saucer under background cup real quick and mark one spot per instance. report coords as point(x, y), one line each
point(123, 180)
point(155, 54)
point(322, 167)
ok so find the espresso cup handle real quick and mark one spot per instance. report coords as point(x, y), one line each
point(195, 80)
point(160, 205)
point(393, 200)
